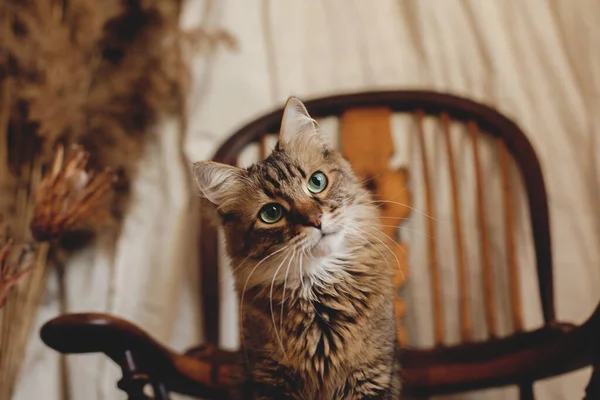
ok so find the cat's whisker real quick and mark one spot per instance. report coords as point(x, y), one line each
point(244, 292)
point(308, 255)
point(387, 247)
point(362, 183)
point(271, 303)
point(240, 265)
point(404, 228)
point(377, 230)
point(404, 205)
point(283, 295)
point(382, 217)
point(406, 185)
point(372, 245)
point(396, 243)
point(301, 271)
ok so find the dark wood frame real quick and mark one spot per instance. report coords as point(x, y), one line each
point(432, 103)
point(519, 359)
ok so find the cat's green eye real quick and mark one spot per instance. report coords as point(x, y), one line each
point(317, 182)
point(271, 213)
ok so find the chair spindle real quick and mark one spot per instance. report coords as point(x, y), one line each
point(438, 316)
point(463, 285)
point(488, 273)
point(513, 266)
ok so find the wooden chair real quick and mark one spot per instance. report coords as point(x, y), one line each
point(519, 358)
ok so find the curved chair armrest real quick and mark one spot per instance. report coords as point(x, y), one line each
point(207, 376)
point(527, 356)
point(207, 372)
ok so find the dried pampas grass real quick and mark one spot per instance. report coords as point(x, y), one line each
point(96, 73)
point(93, 72)
point(68, 195)
point(27, 282)
point(12, 269)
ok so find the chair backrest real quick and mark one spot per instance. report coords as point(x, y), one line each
point(452, 119)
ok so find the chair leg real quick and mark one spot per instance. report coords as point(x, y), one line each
point(160, 391)
point(592, 391)
point(526, 391)
point(135, 381)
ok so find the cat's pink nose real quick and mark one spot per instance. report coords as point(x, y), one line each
point(307, 214)
point(314, 219)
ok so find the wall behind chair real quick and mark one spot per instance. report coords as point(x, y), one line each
point(536, 61)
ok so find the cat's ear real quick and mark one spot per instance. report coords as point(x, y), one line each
point(296, 122)
point(217, 181)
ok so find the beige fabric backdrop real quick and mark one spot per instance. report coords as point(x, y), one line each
point(537, 61)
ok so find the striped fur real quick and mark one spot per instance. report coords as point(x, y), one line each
point(316, 303)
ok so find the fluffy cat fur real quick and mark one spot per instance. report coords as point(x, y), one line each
point(317, 319)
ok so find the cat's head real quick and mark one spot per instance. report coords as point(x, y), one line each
point(299, 203)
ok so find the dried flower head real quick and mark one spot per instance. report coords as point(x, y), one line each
point(13, 268)
point(68, 195)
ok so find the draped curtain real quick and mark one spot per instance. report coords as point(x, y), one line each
point(536, 61)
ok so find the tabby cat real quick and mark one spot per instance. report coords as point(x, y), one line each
point(310, 268)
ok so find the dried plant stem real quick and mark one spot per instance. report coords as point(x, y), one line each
point(17, 319)
point(73, 77)
point(5, 106)
point(65, 385)
point(4, 119)
point(20, 310)
point(6, 180)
